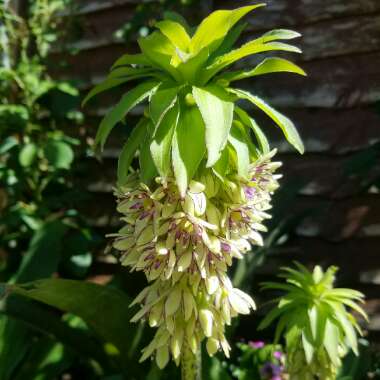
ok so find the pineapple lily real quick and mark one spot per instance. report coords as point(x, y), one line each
point(313, 317)
point(204, 185)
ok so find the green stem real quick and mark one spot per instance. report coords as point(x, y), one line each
point(191, 365)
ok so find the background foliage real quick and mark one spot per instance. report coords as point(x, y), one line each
point(43, 232)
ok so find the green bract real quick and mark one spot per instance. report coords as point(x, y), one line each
point(312, 315)
point(192, 119)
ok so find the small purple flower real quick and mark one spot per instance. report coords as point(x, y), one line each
point(271, 371)
point(278, 355)
point(249, 192)
point(225, 247)
point(257, 344)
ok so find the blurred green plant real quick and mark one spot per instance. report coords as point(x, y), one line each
point(38, 217)
point(312, 315)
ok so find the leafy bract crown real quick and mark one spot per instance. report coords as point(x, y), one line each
point(192, 120)
point(314, 314)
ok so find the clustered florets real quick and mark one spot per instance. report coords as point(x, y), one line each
point(184, 245)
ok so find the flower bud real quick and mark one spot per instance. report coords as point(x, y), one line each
point(206, 320)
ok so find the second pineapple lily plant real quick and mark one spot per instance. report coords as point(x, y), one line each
point(205, 178)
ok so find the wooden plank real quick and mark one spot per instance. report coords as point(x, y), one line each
point(345, 36)
point(332, 131)
point(341, 82)
point(282, 13)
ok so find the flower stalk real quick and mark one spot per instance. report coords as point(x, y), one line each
point(191, 364)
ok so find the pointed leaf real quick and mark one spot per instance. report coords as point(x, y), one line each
point(191, 68)
point(331, 341)
point(129, 149)
point(269, 65)
point(214, 28)
point(161, 145)
point(159, 50)
point(188, 146)
point(120, 110)
point(104, 86)
point(229, 41)
point(131, 59)
point(161, 101)
point(307, 346)
point(217, 113)
point(175, 32)
point(278, 34)
point(259, 134)
point(85, 300)
point(239, 142)
point(147, 167)
point(247, 49)
point(282, 121)
point(176, 17)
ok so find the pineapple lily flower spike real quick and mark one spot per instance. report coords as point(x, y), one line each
point(313, 316)
point(203, 187)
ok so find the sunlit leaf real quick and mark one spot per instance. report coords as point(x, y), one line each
point(175, 32)
point(129, 149)
point(161, 145)
point(117, 113)
point(188, 146)
point(214, 28)
point(282, 121)
point(269, 65)
point(217, 114)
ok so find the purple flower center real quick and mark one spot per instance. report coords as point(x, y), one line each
point(257, 344)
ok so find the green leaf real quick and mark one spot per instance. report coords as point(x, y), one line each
point(307, 346)
point(221, 166)
point(259, 134)
point(160, 51)
point(229, 41)
point(85, 300)
point(282, 121)
point(191, 68)
point(147, 167)
point(160, 147)
point(331, 341)
point(131, 59)
point(250, 48)
point(115, 78)
point(7, 144)
point(188, 146)
point(217, 114)
point(129, 149)
point(59, 154)
point(46, 360)
point(161, 101)
point(28, 154)
point(118, 112)
point(31, 313)
point(278, 34)
point(238, 140)
point(176, 17)
point(313, 320)
point(347, 327)
point(175, 32)
point(214, 28)
point(45, 247)
point(269, 65)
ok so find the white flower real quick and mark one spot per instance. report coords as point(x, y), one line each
point(184, 245)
